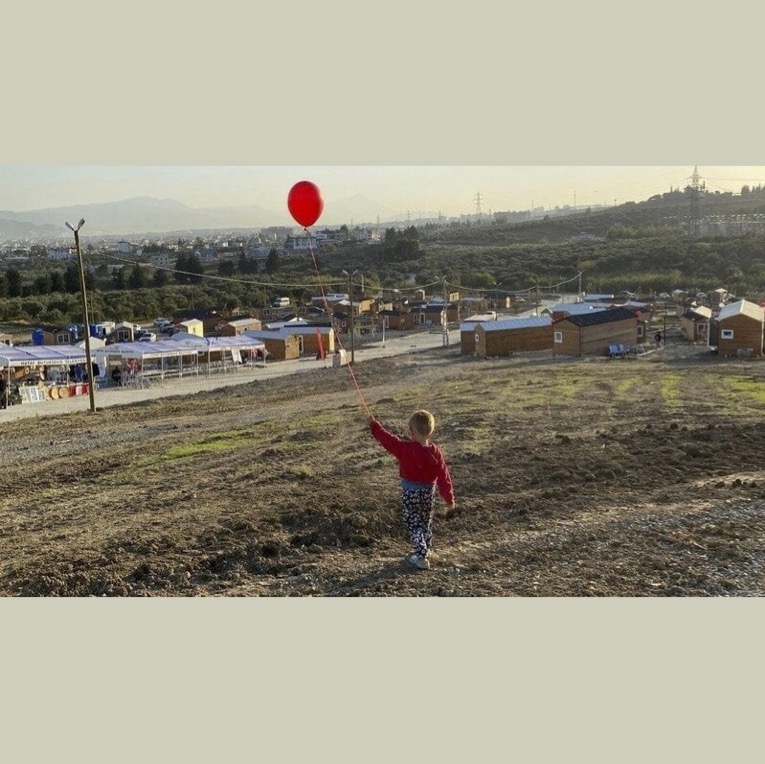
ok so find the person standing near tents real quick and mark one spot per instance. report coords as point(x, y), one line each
point(422, 469)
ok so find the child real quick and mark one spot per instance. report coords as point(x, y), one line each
point(422, 469)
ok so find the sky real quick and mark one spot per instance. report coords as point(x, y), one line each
point(425, 190)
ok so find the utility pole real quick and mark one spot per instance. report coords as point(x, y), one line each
point(695, 221)
point(445, 320)
point(85, 316)
point(350, 300)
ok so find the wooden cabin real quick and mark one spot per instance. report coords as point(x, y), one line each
point(694, 323)
point(398, 320)
point(59, 335)
point(432, 314)
point(124, 331)
point(211, 321)
point(280, 344)
point(467, 331)
point(495, 339)
point(593, 333)
point(740, 329)
point(239, 326)
point(312, 338)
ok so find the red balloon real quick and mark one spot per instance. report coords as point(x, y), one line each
point(305, 203)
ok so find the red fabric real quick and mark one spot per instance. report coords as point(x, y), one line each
point(418, 463)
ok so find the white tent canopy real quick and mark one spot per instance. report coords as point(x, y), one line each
point(142, 361)
point(36, 356)
point(42, 355)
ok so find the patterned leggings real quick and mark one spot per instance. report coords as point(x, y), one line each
point(417, 505)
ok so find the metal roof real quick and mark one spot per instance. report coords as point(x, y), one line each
point(742, 308)
point(600, 317)
point(511, 324)
point(574, 308)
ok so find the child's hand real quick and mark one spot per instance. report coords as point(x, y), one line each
point(452, 511)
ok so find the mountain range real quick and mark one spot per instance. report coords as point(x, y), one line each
point(149, 215)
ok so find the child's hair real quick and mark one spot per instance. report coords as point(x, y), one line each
point(423, 423)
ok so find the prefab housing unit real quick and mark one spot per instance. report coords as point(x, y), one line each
point(740, 329)
point(308, 338)
point(592, 333)
point(467, 331)
point(512, 335)
point(398, 320)
point(280, 345)
point(239, 326)
point(695, 322)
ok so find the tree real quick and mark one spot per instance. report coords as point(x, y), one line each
point(72, 278)
point(160, 278)
point(195, 268)
point(272, 261)
point(181, 274)
point(246, 265)
point(42, 284)
point(188, 269)
point(57, 282)
point(33, 306)
point(226, 268)
point(138, 278)
point(118, 279)
point(13, 278)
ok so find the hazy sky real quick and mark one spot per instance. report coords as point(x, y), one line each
point(417, 189)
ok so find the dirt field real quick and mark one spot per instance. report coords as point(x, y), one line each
point(606, 478)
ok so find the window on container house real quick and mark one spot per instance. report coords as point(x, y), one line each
point(726, 334)
point(558, 338)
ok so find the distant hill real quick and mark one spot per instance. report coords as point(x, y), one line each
point(673, 210)
point(140, 214)
point(146, 215)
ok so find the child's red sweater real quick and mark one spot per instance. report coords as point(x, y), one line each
point(417, 463)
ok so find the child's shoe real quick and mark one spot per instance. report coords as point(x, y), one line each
point(421, 563)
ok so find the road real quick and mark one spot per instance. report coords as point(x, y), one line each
point(395, 344)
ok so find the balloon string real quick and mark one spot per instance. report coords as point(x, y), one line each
point(337, 334)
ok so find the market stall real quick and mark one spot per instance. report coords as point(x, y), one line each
point(36, 373)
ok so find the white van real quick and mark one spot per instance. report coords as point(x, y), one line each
point(281, 302)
